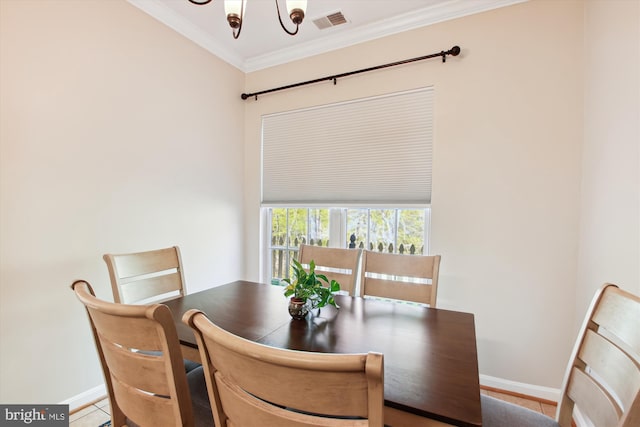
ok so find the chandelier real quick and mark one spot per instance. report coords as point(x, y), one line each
point(235, 14)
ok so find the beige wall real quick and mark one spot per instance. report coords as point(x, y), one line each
point(610, 221)
point(508, 133)
point(117, 134)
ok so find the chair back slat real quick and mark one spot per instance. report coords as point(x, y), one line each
point(242, 409)
point(143, 335)
point(593, 401)
point(168, 285)
point(402, 277)
point(266, 379)
point(611, 367)
point(618, 317)
point(400, 265)
point(252, 382)
point(144, 277)
point(401, 290)
point(123, 363)
point(131, 265)
point(146, 409)
point(336, 264)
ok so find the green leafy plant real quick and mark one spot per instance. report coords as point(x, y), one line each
point(308, 286)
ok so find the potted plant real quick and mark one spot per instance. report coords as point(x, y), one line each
point(307, 290)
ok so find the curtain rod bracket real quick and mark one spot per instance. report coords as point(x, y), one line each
point(454, 51)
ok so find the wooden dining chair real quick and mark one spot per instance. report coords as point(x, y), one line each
point(142, 364)
point(251, 384)
point(151, 276)
point(603, 376)
point(337, 264)
point(402, 277)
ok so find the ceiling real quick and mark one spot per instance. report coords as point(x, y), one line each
point(263, 43)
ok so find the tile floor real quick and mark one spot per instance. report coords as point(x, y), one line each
point(91, 416)
point(98, 413)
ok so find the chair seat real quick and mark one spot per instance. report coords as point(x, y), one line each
point(190, 365)
point(498, 413)
point(203, 417)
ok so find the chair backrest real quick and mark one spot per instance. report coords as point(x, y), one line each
point(151, 276)
point(337, 264)
point(403, 277)
point(251, 384)
point(148, 389)
point(603, 376)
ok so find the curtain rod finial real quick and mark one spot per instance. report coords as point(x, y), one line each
point(455, 51)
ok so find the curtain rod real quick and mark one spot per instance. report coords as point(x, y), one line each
point(454, 51)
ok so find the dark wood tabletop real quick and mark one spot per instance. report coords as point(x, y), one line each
point(430, 356)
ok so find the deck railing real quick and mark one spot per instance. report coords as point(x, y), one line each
point(281, 255)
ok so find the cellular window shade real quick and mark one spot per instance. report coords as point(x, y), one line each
point(368, 151)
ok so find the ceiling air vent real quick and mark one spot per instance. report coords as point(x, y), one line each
point(331, 20)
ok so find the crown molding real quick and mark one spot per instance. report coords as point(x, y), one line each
point(430, 15)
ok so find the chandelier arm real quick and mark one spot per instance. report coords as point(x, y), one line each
point(236, 35)
point(282, 23)
point(200, 3)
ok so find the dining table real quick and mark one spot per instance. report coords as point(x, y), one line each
point(430, 355)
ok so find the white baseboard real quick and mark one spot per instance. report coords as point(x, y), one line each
point(86, 397)
point(540, 392)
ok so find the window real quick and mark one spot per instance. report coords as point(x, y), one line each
point(359, 168)
point(403, 231)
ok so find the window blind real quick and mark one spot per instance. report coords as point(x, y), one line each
point(373, 151)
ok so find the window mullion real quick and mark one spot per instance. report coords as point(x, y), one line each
point(336, 228)
point(396, 216)
point(368, 243)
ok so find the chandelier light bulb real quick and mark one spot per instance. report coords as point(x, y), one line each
point(296, 9)
point(233, 9)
